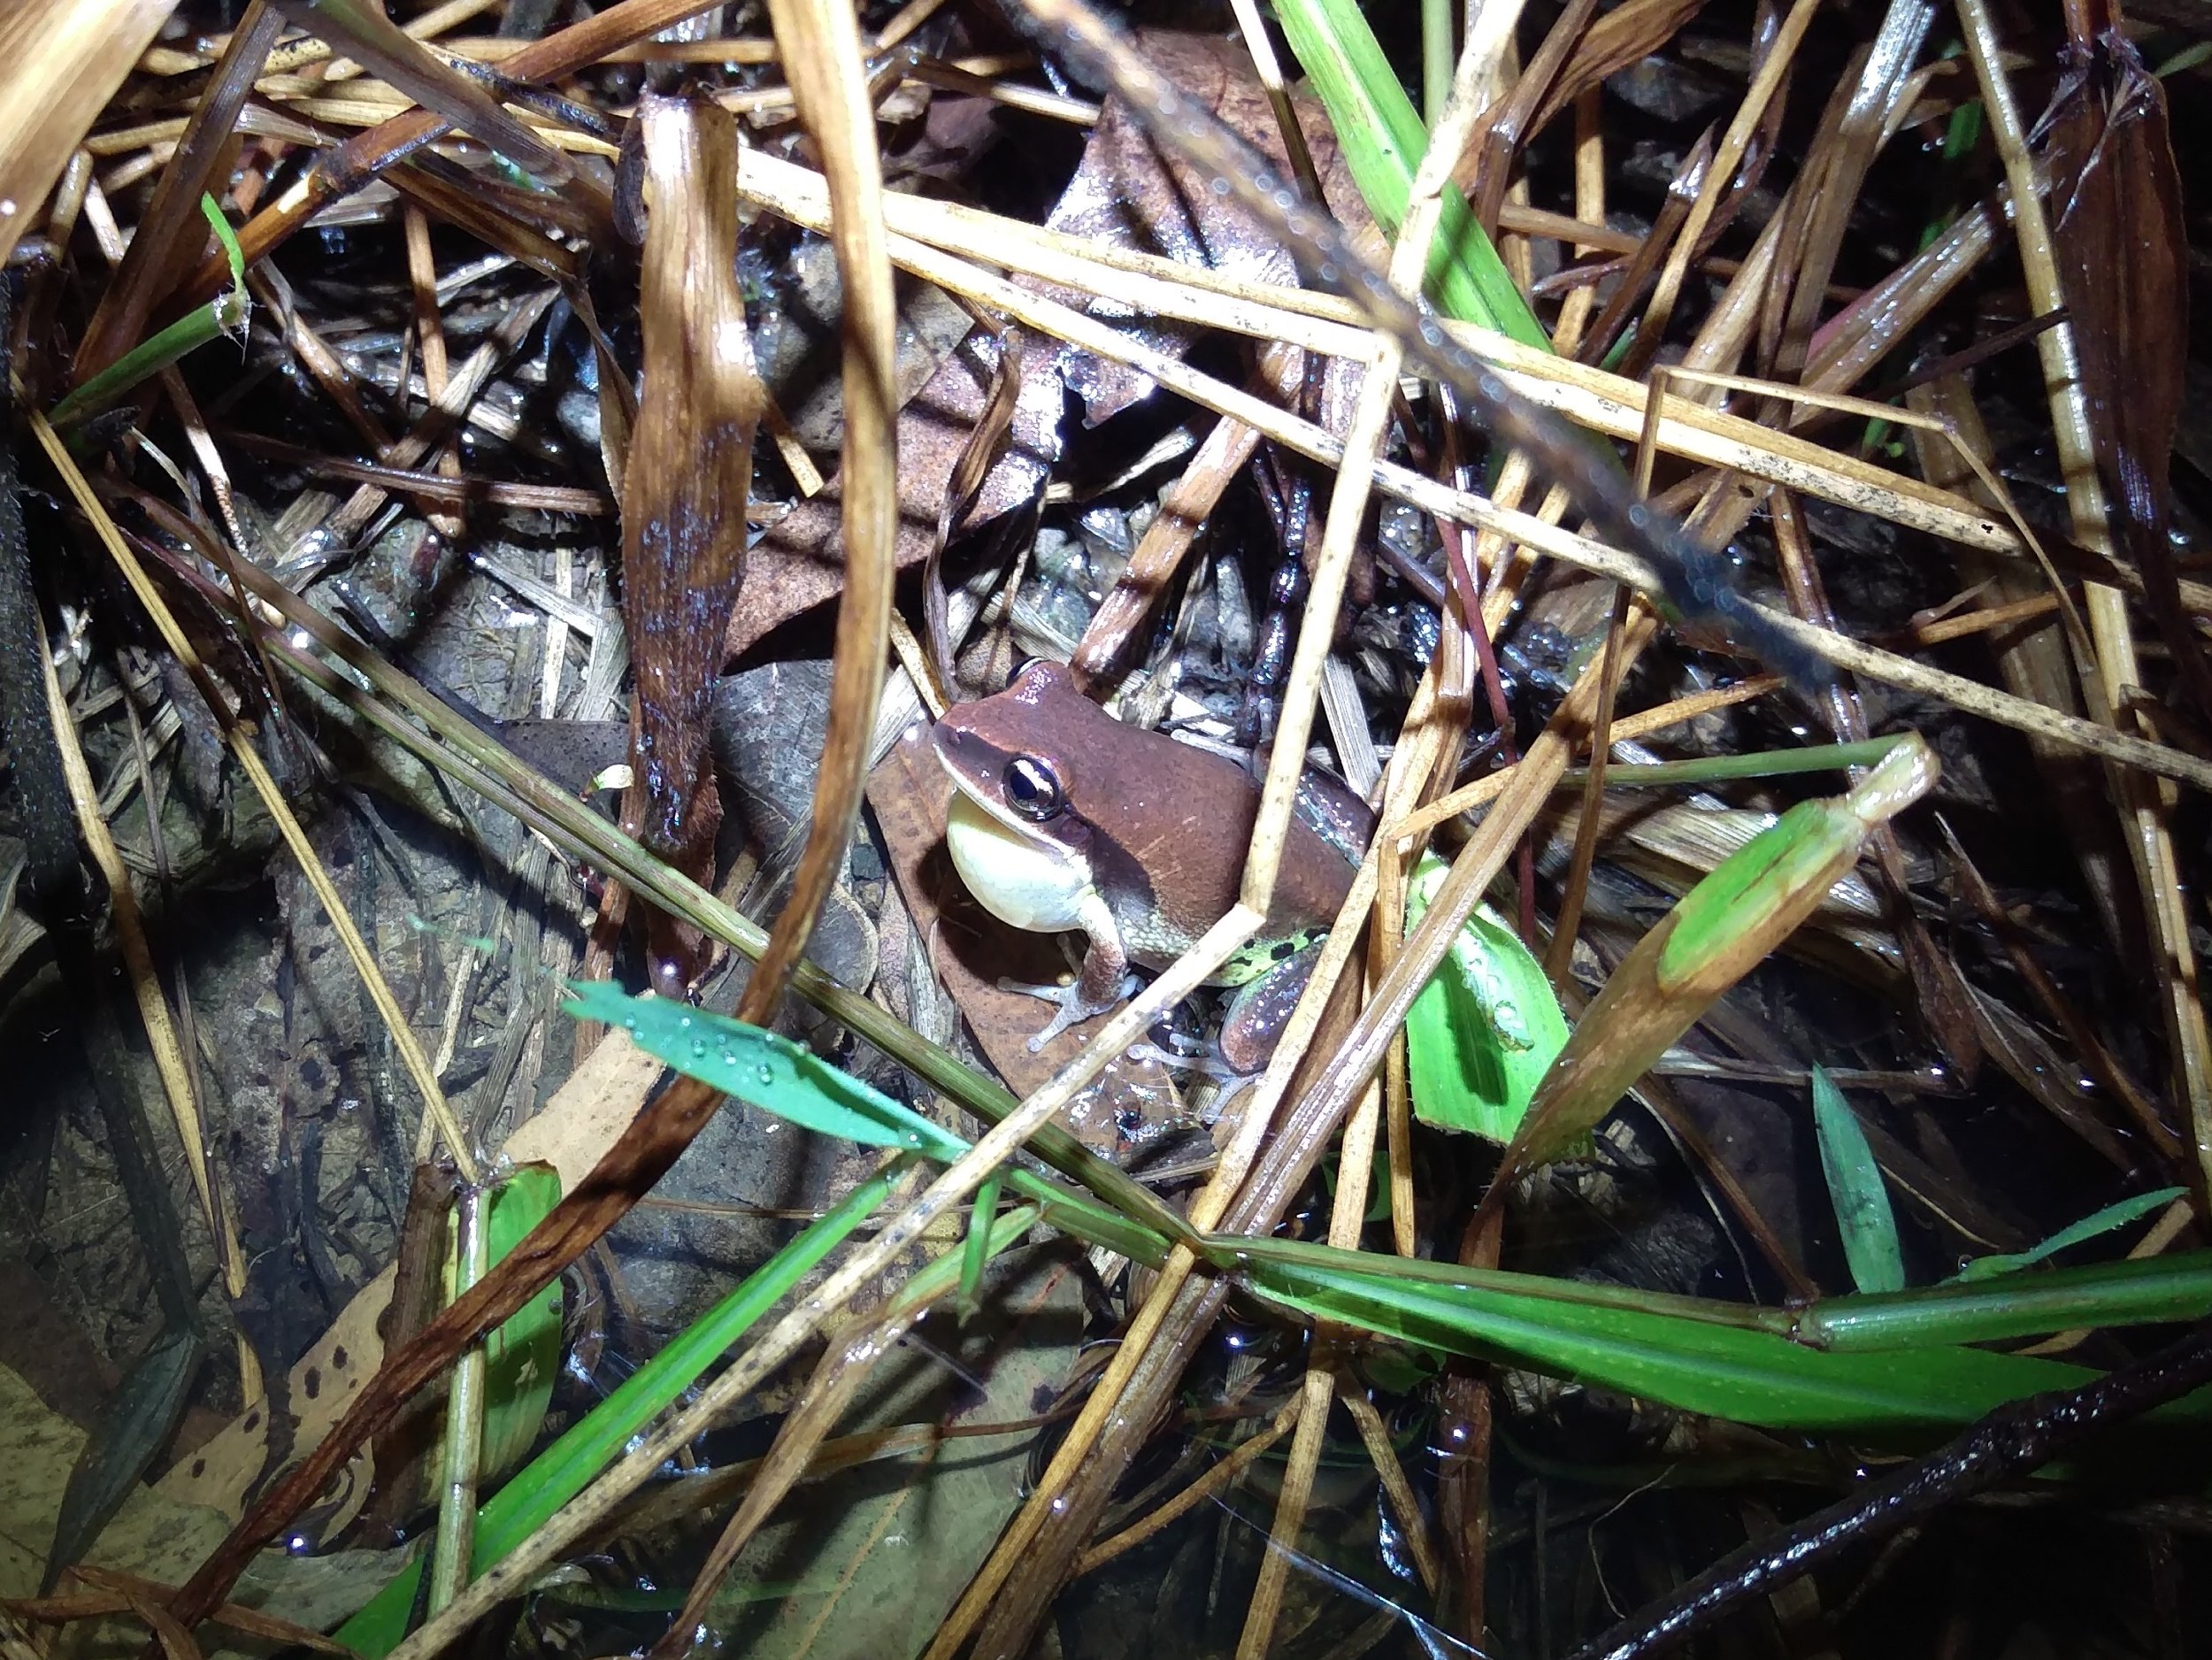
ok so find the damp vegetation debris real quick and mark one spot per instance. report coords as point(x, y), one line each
point(942, 828)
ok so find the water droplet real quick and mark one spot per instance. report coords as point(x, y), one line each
point(698, 1048)
point(1511, 1029)
point(765, 1073)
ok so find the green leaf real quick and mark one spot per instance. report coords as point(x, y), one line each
point(768, 1071)
point(798, 1086)
point(2157, 1291)
point(1748, 1376)
point(1382, 139)
point(2102, 1221)
point(1484, 1030)
point(523, 1354)
point(975, 1255)
point(1856, 1189)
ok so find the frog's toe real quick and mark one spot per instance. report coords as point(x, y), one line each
point(1066, 1015)
point(1204, 1061)
point(1073, 1006)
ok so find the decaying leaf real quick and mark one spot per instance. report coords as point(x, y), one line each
point(1123, 194)
point(690, 471)
point(137, 1421)
point(2123, 252)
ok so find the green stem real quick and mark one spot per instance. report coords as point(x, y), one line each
point(463, 1413)
point(1436, 58)
point(1820, 757)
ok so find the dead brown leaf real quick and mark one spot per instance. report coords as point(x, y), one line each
point(1123, 194)
point(2122, 254)
point(684, 494)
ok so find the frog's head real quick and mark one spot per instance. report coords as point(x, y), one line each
point(1016, 828)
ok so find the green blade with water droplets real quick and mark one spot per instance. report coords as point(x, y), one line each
point(763, 1070)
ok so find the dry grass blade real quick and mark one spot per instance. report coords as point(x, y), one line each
point(363, 31)
point(1507, 122)
point(1730, 154)
point(362, 157)
point(822, 57)
point(1842, 164)
point(689, 476)
point(1184, 509)
point(986, 441)
point(1624, 36)
point(1197, 1493)
point(239, 737)
point(60, 61)
point(171, 1062)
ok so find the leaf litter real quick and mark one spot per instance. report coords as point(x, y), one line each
point(449, 335)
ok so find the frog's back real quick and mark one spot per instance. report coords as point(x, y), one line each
point(1172, 861)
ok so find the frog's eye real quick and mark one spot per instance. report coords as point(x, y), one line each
point(1032, 790)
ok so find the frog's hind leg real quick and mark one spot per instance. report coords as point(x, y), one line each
point(1261, 1008)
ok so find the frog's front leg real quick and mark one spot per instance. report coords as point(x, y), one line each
point(1103, 981)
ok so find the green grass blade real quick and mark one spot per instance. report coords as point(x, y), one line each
point(1818, 757)
point(2113, 1216)
point(563, 1470)
point(1856, 1189)
point(798, 1086)
point(218, 317)
point(2158, 1290)
point(771, 1072)
point(524, 1353)
point(1751, 1376)
point(1382, 137)
point(975, 1253)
